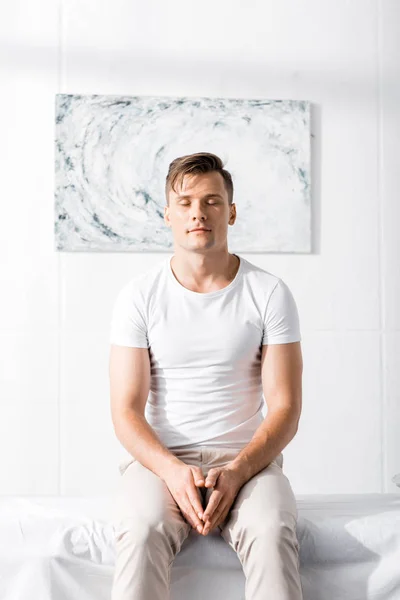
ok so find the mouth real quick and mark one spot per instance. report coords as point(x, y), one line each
point(199, 230)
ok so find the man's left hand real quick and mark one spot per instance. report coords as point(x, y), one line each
point(226, 481)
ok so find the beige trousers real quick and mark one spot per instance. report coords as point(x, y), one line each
point(260, 527)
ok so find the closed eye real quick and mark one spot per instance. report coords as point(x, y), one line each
point(186, 203)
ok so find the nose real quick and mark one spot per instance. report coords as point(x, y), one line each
point(198, 212)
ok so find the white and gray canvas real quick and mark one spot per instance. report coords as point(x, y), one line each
point(112, 155)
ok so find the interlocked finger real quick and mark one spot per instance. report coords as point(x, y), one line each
point(219, 514)
point(190, 514)
point(213, 502)
point(215, 518)
point(193, 494)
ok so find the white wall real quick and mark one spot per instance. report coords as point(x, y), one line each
point(56, 435)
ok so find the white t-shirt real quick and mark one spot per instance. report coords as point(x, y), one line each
point(205, 350)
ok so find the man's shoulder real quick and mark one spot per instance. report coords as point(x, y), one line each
point(260, 276)
point(138, 290)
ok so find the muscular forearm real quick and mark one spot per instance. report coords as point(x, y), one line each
point(141, 441)
point(272, 435)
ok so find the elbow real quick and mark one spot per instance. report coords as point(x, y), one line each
point(297, 422)
point(125, 417)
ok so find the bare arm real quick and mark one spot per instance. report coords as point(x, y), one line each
point(129, 371)
point(282, 368)
point(129, 389)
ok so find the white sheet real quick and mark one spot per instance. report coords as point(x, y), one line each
point(56, 548)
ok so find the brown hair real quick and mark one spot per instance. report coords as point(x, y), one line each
point(201, 162)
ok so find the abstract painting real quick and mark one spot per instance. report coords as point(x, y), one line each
point(112, 155)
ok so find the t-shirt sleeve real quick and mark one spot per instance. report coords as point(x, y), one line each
point(281, 319)
point(128, 325)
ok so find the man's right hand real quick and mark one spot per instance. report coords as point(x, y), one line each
point(183, 482)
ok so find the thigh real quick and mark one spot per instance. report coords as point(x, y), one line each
point(143, 502)
point(264, 502)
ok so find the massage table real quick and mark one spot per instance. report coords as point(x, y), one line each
point(62, 548)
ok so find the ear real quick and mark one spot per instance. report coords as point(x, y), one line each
point(232, 216)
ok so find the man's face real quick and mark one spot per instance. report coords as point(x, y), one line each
point(201, 202)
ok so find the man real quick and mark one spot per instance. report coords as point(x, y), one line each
point(195, 343)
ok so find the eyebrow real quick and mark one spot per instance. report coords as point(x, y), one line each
point(182, 196)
